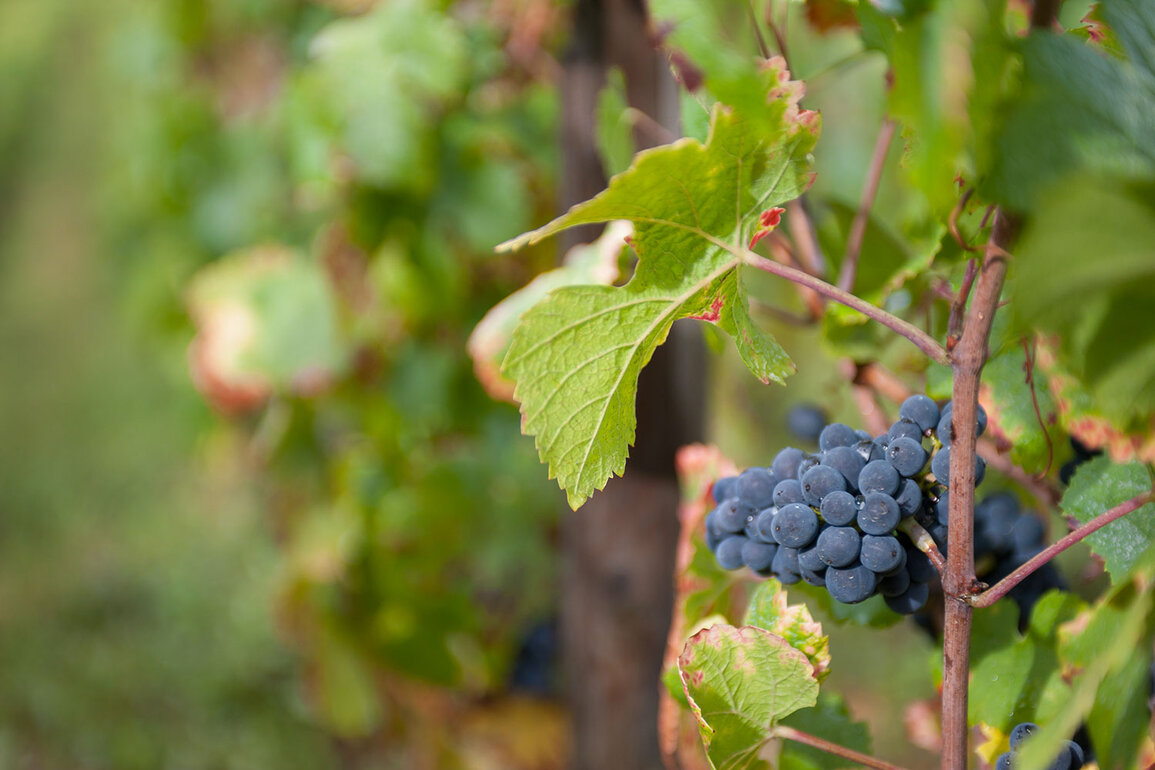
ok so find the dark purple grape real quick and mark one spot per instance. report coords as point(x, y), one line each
point(838, 546)
point(806, 463)
point(919, 566)
point(724, 488)
point(878, 476)
point(785, 465)
point(870, 450)
point(879, 514)
point(839, 508)
point(788, 491)
point(758, 556)
point(820, 481)
point(1021, 732)
point(894, 585)
point(785, 566)
point(813, 577)
point(906, 455)
point(940, 465)
point(904, 429)
point(755, 487)
point(847, 461)
point(1005, 761)
point(764, 524)
point(795, 526)
point(942, 508)
point(729, 553)
point(837, 434)
point(911, 600)
point(909, 497)
point(851, 584)
point(806, 421)
point(1027, 533)
point(808, 556)
point(881, 553)
point(731, 516)
point(922, 410)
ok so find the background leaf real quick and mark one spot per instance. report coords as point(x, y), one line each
point(1099, 485)
point(740, 682)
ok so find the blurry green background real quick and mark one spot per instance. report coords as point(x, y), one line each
point(239, 585)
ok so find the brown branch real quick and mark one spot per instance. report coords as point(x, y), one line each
point(952, 221)
point(920, 339)
point(849, 270)
point(925, 543)
point(959, 306)
point(805, 240)
point(789, 733)
point(1001, 588)
point(765, 49)
point(1029, 370)
point(968, 359)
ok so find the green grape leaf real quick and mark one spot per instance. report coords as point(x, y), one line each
point(1117, 625)
point(1095, 111)
point(1015, 676)
point(831, 720)
point(615, 130)
point(740, 682)
point(1118, 718)
point(1006, 396)
point(1099, 485)
point(587, 263)
point(793, 622)
point(576, 355)
point(1109, 344)
point(949, 64)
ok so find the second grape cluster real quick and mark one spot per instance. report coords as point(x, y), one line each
point(832, 519)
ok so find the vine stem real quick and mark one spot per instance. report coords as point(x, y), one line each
point(920, 339)
point(789, 733)
point(1001, 588)
point(857, 233)
point(959, 582)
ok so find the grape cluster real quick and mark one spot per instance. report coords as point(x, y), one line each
point(831, 518)
point(1070, 757)
point(1005, 537)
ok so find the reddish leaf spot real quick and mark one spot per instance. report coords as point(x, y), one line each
point(713, 314)
point(772, 217)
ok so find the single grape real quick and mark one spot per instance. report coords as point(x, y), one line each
point(729, 553)
point(919, 566)
point(1027, 533)
point(758, 556)
point(808, 556)
point(904, 429)
point(942, 508)
point(940, 534)
point(785, 465)
point(839, 508)
point(731, 516)
point(1021, 732)
point(1077, 756)
point(881, 553)
point(813, 577)
point(940, 465)
point(806, 421)
point(806, 463)
point(838, 546)
point(946, 432)
point(906, 455)
point(980, 470)
point(909, 497)
point(785, 566)
point(851, 584)
point(756, 487)
point(1005, 761)
point(764, 524)
point(894, 585)
point(820, 481)
point(921, 410)
point(1062, 761)
point(870, 450)
point(878, 476)
point(837, 434)
point(751, 531)
point(879, 514)
point(724, 488)
point(911, 600)
point(795, 525)
point(788, 491)
point(847, 461)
